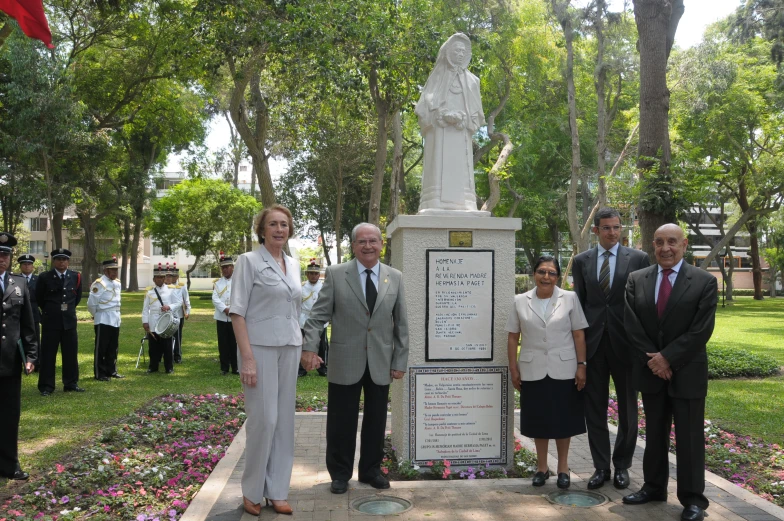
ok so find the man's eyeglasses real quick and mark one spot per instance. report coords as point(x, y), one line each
point(542, 273)
point(615, 228)
point(368, 242)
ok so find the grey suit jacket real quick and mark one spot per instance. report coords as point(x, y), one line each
point(358, 338)
point(268, 299)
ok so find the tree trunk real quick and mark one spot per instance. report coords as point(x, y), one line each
point(754, 252)
point(190, 270)
point(397, 167)
point(656, 22)
point(382, 107)
point(728, 285)
point(601, 107)
point(133, 282)
point(125, 247)
point(254, 139)
point(89, 262)
point(338, 213)
point(57, 225)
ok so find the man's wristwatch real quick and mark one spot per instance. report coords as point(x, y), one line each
point(583, 363)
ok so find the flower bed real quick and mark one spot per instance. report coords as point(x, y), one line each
point(745, 461)
point(397, 469)
point(148, 467)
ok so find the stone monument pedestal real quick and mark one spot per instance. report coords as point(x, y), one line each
point(455, 401)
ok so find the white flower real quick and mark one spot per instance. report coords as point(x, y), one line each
point(155, 469)
point(100, 468)
point(520, 463)
point(65, 512)
point(712, 436)
point(126, 460)
point(76, 509)
point(416, 467)
point(707, 429)
point(106, 461)
point(707, 422)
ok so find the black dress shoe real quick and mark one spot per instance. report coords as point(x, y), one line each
point(117, 375)
point(224, 373)
point(642, 497)
point(598, 478)
point(102, 378)
point(300, 374)
point(178, 360)
point(21, 475)
point(693, 513)
point(563, 480)
point(235, 372)
point(379, 482)
point(74, 389)
point(152, 370)
point(46, 393)
point(169, 371)
point(540, 478)
point(621, 479)
point(338, 486)
point(322, 371)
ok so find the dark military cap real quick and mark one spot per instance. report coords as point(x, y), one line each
point(25, 258)
point(7, 242)
point(61, 253)
point(111, 263)
point(226, 261)
point(313, 266)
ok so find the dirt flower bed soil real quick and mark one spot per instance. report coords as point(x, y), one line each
point(147, 467)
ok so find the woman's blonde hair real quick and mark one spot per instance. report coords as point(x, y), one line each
point(261, 219)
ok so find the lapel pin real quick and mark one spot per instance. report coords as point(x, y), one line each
point(386, 281)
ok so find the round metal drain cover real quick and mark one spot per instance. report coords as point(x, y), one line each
point(381, 505)
point(577, 498)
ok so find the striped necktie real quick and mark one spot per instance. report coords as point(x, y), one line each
point(604, 273)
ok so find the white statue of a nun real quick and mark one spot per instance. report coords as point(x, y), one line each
point(450, 112)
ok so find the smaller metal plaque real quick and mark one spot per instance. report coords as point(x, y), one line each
point(462, 239)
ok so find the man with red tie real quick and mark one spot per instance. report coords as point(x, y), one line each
point(669, 318)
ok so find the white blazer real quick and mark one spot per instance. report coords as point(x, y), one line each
point(547, 345)
point(269, 300)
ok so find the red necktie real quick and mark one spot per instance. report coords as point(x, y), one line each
point(665, 288)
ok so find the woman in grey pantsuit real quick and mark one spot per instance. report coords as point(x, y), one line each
point(265, 306)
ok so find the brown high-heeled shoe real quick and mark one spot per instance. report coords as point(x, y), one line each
point(251, 508)
point(280, 509)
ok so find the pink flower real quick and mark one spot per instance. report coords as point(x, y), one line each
point(385, 470)
point(59, 468)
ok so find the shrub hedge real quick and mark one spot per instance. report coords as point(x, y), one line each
point(728, 362)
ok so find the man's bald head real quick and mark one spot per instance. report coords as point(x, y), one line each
point(669, 244)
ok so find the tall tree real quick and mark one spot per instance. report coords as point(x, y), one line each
point(657, 21)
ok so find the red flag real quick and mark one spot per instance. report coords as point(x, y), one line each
point(30, 16)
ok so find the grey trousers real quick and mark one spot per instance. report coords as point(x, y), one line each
point(270, 404)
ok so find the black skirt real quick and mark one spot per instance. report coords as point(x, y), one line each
point(551, 409)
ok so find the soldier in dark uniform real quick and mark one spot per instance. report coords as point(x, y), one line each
point(26, 263)
point(58, 292)
point(17, 324)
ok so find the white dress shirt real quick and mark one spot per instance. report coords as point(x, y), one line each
point(672, 277)
point(221, 298)
point(600, 260)
point(104, 301)
point(363, 276)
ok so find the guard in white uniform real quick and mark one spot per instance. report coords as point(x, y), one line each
point(104, 305)
point(310, 292)
point(221, 298)
point(159, 299)
point(172, 278)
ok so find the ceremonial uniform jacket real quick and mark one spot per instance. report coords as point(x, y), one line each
point(17, 322)
point(185, 298)
point(221, 298)
point(104, 301)
point(31, 283)
point(151, 312)
point(310, 293)
point(58, 298)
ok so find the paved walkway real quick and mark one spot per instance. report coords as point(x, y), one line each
point(220, 499)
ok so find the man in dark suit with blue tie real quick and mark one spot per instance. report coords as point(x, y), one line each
point(26, 266)
point(669, 317)
point(600, 280)
point(58, 292)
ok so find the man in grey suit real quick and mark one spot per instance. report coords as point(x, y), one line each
point(364, 300)
point(599, 280)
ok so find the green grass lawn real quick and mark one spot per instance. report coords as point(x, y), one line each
point(752, 406)
point(52, 426)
